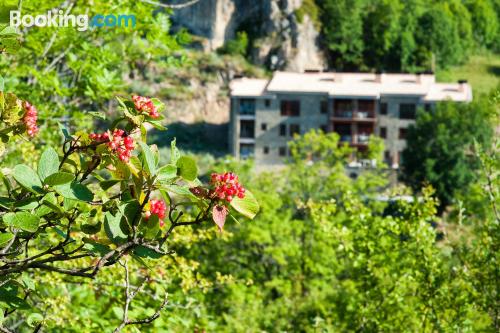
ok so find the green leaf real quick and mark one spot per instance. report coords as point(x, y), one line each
point(150, 227)
point(6, 202)
point(48, 164)
point(167, 172)
point(34, 319)
point(107, 184)
point(181, 190)
point(26, 204)
point(148, 159)
point(50, 201)
point(114, 229)
point(22, 220)
point(157, 125)
point(248, 206)
point(174, 152)
point(91, 229)
point(145, 252)
point(5, 238)
point(59, 178)
point(27, 178)
point(64, 131)
point(74, 191)
point(96, 248)
point(97, 114)
point(187, 168)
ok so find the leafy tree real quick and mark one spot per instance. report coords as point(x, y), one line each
point(96, 203)
point(440, 144)
point(343, 32)
point(322, 256)
point(484, 22)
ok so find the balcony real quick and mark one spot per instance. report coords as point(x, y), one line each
point(349, 116)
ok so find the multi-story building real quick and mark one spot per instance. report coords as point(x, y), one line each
point(265, 114)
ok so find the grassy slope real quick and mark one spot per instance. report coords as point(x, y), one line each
point(482, 72)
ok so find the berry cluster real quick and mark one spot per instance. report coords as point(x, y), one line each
point(144, 104)
point(119, 143)
point(157, 207)
point(99, 137)
point(227, 186)
point(30, 118)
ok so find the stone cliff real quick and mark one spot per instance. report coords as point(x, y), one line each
point(280, 40)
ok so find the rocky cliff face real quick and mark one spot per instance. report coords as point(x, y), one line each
point(280, 41)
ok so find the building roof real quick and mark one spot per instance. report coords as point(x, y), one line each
point(369, 85)
point(245, 87)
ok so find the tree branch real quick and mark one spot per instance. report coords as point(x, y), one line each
point(178, 6)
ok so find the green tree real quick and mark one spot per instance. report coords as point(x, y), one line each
point(484, 22)
point(439, 149)
point(343, 32)
point(99, 201)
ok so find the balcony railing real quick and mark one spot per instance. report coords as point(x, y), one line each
point(363, 138)
point(354, 115)
point(346, 138)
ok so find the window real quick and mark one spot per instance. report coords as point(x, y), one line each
point(383, 132)
point(247, 106)
point(407, 111)
point(324, 107)
point(290, 108)
point(294, 129)
point(267, 103)
point(283, 130)
point(247, 129)
point(387, 156)
point(383, 108)
point(263, 126)
point(282, 151)
point(366, 105)
point(246, 150)
point(402, 133)
point(324, 128)
point(427, 107)
point(266, 150)
point(344, 130)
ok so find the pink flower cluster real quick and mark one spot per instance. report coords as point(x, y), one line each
point(227, 186)
point(157, 207)
point(120, 143)
point(99, 137)
point(144, 104)
point(30, 118)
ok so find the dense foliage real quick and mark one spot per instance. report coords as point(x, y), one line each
point(441, 144)
point(412, 35)
point(97, 204)
point(101, 231)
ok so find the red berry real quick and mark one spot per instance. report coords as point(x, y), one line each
point(227, 186)
point(30, 118)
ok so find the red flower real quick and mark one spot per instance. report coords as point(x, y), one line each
point(144, 104)
point(120, 143)
point(158, 208)
point(227, 186)
point(30, 118)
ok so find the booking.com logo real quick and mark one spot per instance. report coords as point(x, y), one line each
point(58, 18)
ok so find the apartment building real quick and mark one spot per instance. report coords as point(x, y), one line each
point(265, 114)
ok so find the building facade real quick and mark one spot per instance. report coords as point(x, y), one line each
point(265, 114)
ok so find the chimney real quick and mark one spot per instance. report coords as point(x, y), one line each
point(379, 76)
point(461, 85)
point(419, 77)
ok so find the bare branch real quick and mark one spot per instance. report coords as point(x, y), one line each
point(178, 6)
